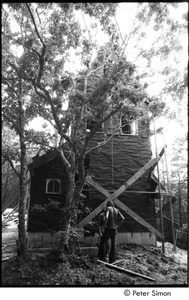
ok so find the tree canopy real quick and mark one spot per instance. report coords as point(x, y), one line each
point(55, 66)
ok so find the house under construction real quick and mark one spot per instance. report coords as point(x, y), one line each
point(120, 167)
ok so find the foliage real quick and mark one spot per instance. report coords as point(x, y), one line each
point(82, 270)
point(68, 241)
point(106, 85)
point(49, 35)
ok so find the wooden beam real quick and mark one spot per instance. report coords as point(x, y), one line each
point(98, 209)
point(170, 198)
point(167, 204)
point(138, 218)
point(169, 220)
point(159, 189)
point(125, 270)
point(113, 196)
point(146, 192)
point(120, 204)
point(139, 192)
point(134, 178)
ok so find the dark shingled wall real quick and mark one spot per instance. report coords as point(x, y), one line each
point(45, 221)
point(113, 164)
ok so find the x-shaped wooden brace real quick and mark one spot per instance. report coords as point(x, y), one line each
point(151, 164)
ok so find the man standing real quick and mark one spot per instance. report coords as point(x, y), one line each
point(101, 228)
point(113, 220)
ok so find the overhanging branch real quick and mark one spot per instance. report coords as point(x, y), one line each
point(42, 55)
point(36, 30)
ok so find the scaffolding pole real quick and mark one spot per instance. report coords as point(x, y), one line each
point(159, 189)
point(170, 197)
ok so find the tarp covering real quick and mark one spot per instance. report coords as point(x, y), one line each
point(112, 165)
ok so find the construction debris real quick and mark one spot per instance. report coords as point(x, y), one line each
point(112, 266)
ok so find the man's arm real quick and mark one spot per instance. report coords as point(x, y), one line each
point(99, 230)
point(106, 217)
point(121, 219)
point(100, 221)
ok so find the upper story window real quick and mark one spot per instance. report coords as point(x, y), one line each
point(91, 124)
point(53, 186)
point(129, 128)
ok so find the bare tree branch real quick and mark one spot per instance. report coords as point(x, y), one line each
point(47, 97)
point(38, 15)
point(67, 164)
point(9, 78)
point(14, 67)
point(33, 20)
point(93, 131)
point(99, 145)
point(42, 55)
point(10, 87)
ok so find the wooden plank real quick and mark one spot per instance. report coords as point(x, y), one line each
point(138, 218)
point(159, 189)
point(170, 198)
point(136, 176)
point(98, 209)
point(167, 204)
point(113, 196)
point(117, 261)
point(146, 192)
point(120, 204)
point(168, 220)
point(125, 270)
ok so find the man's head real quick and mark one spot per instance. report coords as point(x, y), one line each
point(109, 203)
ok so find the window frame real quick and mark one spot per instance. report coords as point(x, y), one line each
point(48, 180)
point(133, 127)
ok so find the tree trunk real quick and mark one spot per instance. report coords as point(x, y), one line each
point(180, 201)
point(5, 187)
point(21, 226)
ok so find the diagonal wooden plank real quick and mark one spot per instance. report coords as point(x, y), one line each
point(112, 266)
point(97, 210)
point(138, 218)
point(113, 196)
point(136, 176)
point(122, 206)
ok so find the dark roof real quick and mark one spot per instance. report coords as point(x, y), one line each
point(39, 160)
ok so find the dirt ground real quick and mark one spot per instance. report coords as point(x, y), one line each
point(53, 269)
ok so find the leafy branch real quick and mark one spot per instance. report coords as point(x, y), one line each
point(42, 55)
point(33, 20)
point(4, 81)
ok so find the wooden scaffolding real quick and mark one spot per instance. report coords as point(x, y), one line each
point(160, 192)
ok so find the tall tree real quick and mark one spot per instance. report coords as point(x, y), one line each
point(16, 113)
point(47, 35)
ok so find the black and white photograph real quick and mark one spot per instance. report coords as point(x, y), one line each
point(94, 101)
